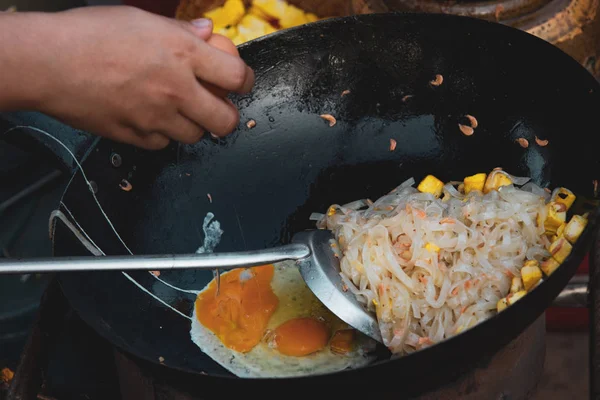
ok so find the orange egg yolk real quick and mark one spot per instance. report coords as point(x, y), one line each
point(240, 313)
point(300, 336)
point(342, 341)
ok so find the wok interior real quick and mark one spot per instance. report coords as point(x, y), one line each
point(266, 181)
point(498, 79)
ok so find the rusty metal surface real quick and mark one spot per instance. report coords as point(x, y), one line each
point(490, 10)
point(571, 25)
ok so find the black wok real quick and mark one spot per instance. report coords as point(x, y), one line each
point(266, 181)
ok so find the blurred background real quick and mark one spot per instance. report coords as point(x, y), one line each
point(31, 186)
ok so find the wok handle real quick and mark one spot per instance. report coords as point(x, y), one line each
point(155, 262)
point(19, 129)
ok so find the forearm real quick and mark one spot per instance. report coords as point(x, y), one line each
point(28, 53)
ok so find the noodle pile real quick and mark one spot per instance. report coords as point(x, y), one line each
point(431, 268)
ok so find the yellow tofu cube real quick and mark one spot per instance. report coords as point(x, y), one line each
point(432, 247)
point(559, 233)
point(285, 14)
point(514, 297)
point(495, 180)
point(531, 274)
point(310, 17)
point(257, 12)
point(516, 285)
point(549, 266)
point(560, 249)
point(432, 185)
point(293, 17)
point(230, 32)
point(531, 263)
point(564, 196)
point(561, 230)
point(239, 39)
point(229, 14)
point(252, 23)
point(274, 9)
point(252, 27)
point(575, 228)
point(509, 300)
point(502, 304)
point(557, 215)
point(474, 182)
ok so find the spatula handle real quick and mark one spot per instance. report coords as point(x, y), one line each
point(155, 262)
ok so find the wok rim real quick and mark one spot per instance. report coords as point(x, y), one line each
point(579, 250)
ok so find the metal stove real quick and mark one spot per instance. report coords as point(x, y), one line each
point(64, 359)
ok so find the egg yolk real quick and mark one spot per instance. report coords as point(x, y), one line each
point(240, 313)
point(342, 341)
point(300, 336)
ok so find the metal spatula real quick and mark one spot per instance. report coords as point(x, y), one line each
point(318, 266)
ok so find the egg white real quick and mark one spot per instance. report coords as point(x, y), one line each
point(295, 300)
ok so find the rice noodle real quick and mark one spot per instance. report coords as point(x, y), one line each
point(423, 295)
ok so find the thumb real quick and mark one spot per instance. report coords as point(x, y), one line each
point(202, 27)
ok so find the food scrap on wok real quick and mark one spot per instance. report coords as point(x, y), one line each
point(434, 260)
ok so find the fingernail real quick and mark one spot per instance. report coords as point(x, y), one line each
point(202, 23)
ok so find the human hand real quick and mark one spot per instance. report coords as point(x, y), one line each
point(143, 79)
